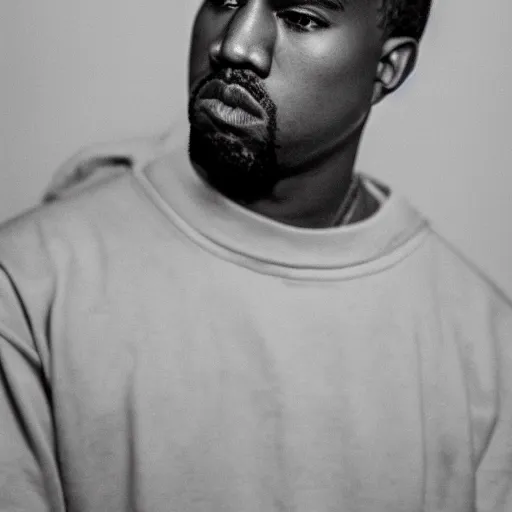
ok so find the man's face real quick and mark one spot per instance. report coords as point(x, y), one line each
point(311, 64)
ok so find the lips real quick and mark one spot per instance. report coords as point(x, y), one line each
point(232, 95)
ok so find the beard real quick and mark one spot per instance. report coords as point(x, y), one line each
point(241, 167)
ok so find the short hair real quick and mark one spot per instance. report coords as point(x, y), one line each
point(405, 18)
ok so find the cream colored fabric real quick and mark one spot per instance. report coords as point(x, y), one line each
point(163, 349)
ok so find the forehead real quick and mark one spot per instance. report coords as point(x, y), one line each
point(364, 12)
point(328, 4)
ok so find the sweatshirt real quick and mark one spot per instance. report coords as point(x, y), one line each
point(164, 349)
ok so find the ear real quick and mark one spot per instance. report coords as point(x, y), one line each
point(396, 63)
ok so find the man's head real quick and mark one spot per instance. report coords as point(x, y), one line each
point(404, 17)
point(315, 67)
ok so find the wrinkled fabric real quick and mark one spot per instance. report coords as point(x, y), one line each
point(162, 349)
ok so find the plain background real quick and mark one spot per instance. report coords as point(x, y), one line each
point(76, 72)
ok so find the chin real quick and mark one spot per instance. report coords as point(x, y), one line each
point(243, 172)
point(239, 161)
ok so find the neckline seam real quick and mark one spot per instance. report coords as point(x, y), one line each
point(242, 259)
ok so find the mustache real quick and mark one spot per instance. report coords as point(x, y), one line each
point(243, 78)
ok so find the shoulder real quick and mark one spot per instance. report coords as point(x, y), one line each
point(91, 197)
point(99, 162)
point(471, 306)
point(461, 277)
point(66, 217)
point(92, 175)
point(462, 304)
point(93, 208)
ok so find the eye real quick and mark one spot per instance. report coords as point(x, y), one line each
point(225, 4)
point(301, 21)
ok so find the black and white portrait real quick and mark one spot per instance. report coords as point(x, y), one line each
point(255, 256)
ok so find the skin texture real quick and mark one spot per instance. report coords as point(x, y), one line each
point(323, 68)
point(241, 165)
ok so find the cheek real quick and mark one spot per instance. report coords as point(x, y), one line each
point(329, 73)
point(199, 62)
point(328, 81)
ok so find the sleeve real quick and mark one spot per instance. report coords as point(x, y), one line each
point(494, 472)
point(100, 161)
point(29, 476)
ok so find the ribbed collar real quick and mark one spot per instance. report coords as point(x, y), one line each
point(175, 187)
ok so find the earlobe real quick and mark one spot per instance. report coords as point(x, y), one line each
point(397, 61)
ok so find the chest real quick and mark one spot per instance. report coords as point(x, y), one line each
point(313, 398)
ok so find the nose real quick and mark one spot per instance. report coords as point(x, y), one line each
point(248, 40)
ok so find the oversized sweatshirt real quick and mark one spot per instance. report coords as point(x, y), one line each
point(163, 349)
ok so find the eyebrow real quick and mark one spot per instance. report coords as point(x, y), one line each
point(332, 5)
point(335, 5)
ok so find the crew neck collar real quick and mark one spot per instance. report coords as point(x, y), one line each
point(185, 198)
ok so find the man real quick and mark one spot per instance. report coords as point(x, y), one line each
point(250, 325)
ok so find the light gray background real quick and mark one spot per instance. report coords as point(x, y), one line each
point(75, 72)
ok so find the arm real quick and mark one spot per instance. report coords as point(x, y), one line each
point(494, 472)
point(29, 477)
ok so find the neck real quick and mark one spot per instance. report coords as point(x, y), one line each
point(311, 196)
